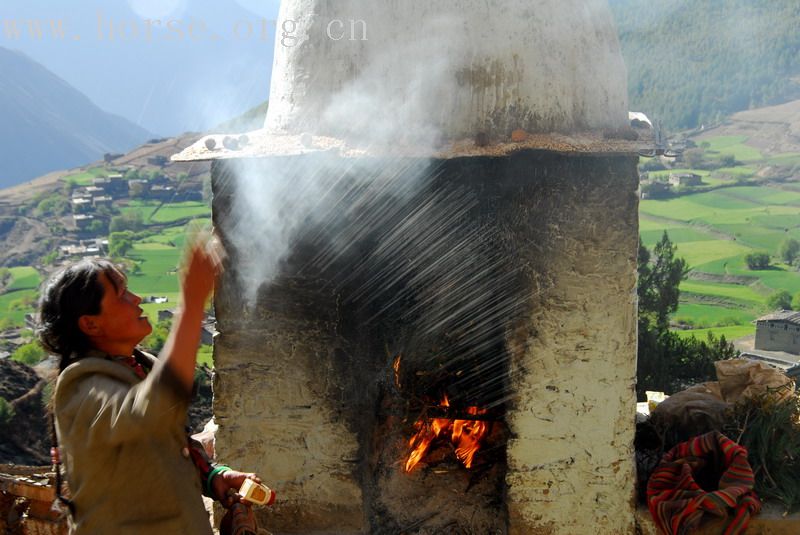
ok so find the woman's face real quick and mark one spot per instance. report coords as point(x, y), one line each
point(120, 321)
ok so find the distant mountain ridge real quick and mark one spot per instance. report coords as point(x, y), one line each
point(694, 62)
point(46, 124)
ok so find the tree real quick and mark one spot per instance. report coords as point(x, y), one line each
point(50, 258)
point(796, 301)
point(53, 205)
point(665, 361)
point(756, 261)
point(97, 227)
point(155, 340)
point(659, 281)
point(137, 189)
point(119, 243)
point(789, 250)
point(780, 300)
point(694, 158)
point(128, 221)
point(29, 354)
point(652, 164)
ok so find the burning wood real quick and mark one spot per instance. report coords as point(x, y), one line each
point(465, 435)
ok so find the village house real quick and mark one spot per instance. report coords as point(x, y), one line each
point(779, 331)
point(653, 189)
point(138, 187)
point(685, 179)
point(81, 205)
point(102, 200)
point(161, 193)
point(80, 250)
point(82, 221)
point(113, 184)
point(155, 299)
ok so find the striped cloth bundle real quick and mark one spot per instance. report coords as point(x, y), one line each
point(678, 502)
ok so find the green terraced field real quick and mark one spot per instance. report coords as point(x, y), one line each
point(85, 178)
point(787, 159)
point(168, 213)
point(742, 171)
point(24, 278)
point(714, 230)
point(733, 145)
point(12, 305)
point(23, 288)
point(205, 355)
point(741, 295)
point(158, 264)
point(730, 333)
point(698, 253)
point(158, 257)
point(703, 316)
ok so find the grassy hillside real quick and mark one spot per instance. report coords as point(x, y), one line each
point(692, 62)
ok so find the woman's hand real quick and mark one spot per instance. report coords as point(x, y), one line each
point(226, 486)
point(202, 266)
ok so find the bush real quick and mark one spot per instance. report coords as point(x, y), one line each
point(756, 261)
point(652, 164)
point(665, 361)
point(29, 354)
point(789, 250)
point(119, 243)
point(97, 227)
point(695, 158)
point(780, 300)
point(53, 205)
point(129, 221)
point(50, 258)
point(156, 339)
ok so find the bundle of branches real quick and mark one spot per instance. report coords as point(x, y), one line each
point(769, 427)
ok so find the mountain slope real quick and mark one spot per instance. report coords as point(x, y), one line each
point(46, 124)
point(692, 62)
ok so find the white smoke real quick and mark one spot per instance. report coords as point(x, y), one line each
point(390, 102)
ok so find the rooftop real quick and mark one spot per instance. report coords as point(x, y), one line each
point(792, 316)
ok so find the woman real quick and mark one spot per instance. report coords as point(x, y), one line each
point(119, 413)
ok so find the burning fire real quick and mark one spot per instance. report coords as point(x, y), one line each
point(396, 368)
point(465, 435)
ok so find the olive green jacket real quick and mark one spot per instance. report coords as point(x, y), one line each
point(122, 443)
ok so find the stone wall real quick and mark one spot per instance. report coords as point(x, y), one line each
point(778, 336)
point(300, 376)
point(574, 369)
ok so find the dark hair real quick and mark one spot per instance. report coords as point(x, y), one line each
point(70, 293)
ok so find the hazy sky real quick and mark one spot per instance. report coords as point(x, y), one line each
point(169, 66)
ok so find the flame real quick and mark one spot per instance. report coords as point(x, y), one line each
point(396, 367)
point(465, 435)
